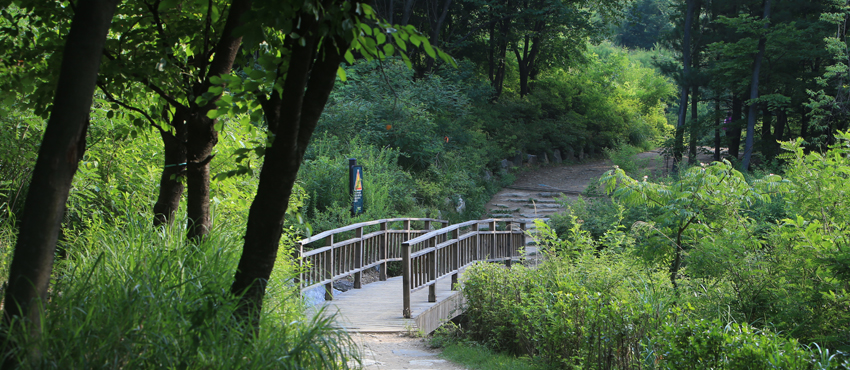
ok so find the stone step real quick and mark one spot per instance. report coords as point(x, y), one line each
point(504, 210)
point(530, 200)
point(514, 195)
point(548, 205)
point(541, 210)
point(535, 215)
point(550, 194)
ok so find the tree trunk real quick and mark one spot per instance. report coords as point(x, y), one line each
point(408, 9)
point(678, 145)
point(766, 133)
point(173, 171)
point(300, 111)
point(781, 122)
point(718, 119)
point(501, 56)
point(436, 27)
point(61, 150)
point(692, 144)
point(202, 135)
point(526, 61)
point(754, 94)
point(734, 131)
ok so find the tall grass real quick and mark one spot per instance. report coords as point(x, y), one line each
point(129, 296)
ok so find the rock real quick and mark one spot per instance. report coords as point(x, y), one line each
point(532, 159)
point(502, 215)
point(545, 158)
point(343, 285)
point(581, 154)
point(506, 163)
point(461, 205)
point(500, 205)
point(549, 195)
point(488, 175)
point(556, 156)
point(316, 295)
point(517, 159)
point(570, 152)
point(514, 195)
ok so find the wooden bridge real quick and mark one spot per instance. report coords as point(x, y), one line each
point(430, 252)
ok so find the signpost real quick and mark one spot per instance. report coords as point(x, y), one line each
point(355, 186)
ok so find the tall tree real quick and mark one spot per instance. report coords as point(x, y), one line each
point(690, 9)
point(754, 94)
point(295, 72)
point(61, 150)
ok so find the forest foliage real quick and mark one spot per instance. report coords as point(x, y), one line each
point(714, 269)
point(195, 100)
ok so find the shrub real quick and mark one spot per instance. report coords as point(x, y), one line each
point(705, 344)
point(582, 309)
point(134, 297)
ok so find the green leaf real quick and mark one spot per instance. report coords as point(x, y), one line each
point(216, 80)
point(214, 113)
point(250, 85)
point(366, 29)
point(389, 49)
point(380, 37)
point(219, 125)
point(429, 50)
point(341, 73)
point(110, 114)
point(349, 57)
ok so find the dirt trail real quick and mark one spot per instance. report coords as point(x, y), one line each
point(399, 351)
point(532, 195)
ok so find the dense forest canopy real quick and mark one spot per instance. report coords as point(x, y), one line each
point(219, 131)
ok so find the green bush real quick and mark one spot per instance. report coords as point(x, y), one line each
point(704, 344)
point(130, 296)
point(583, 309)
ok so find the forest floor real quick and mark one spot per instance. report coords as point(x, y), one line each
point(532, 194)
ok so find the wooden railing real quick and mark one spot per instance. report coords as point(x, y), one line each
point(438, 254)
point(354, 248)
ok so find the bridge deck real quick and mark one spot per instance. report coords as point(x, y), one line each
point(377, 307)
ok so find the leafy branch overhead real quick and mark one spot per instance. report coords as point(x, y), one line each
point(250, 93)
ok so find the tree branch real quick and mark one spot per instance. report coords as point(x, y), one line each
point(462, 39)
point(159, 91)
point(127, 106)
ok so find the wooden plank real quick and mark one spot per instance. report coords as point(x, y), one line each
point(377, 308)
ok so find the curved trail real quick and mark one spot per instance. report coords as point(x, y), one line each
point(533, 194)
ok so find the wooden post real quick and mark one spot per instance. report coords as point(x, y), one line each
point(522, 238)
point(405, 282)
point(329, 272)
point(456, 257)
point(407, 228)
point(300, 278)
point(444, 225)
point(476, 247)
point(358, 258)
point(432, 270)
point(382, 250)
point(493, 240)
point(508, 249)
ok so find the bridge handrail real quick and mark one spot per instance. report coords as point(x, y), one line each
point(438, 254)
point(355, 254)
